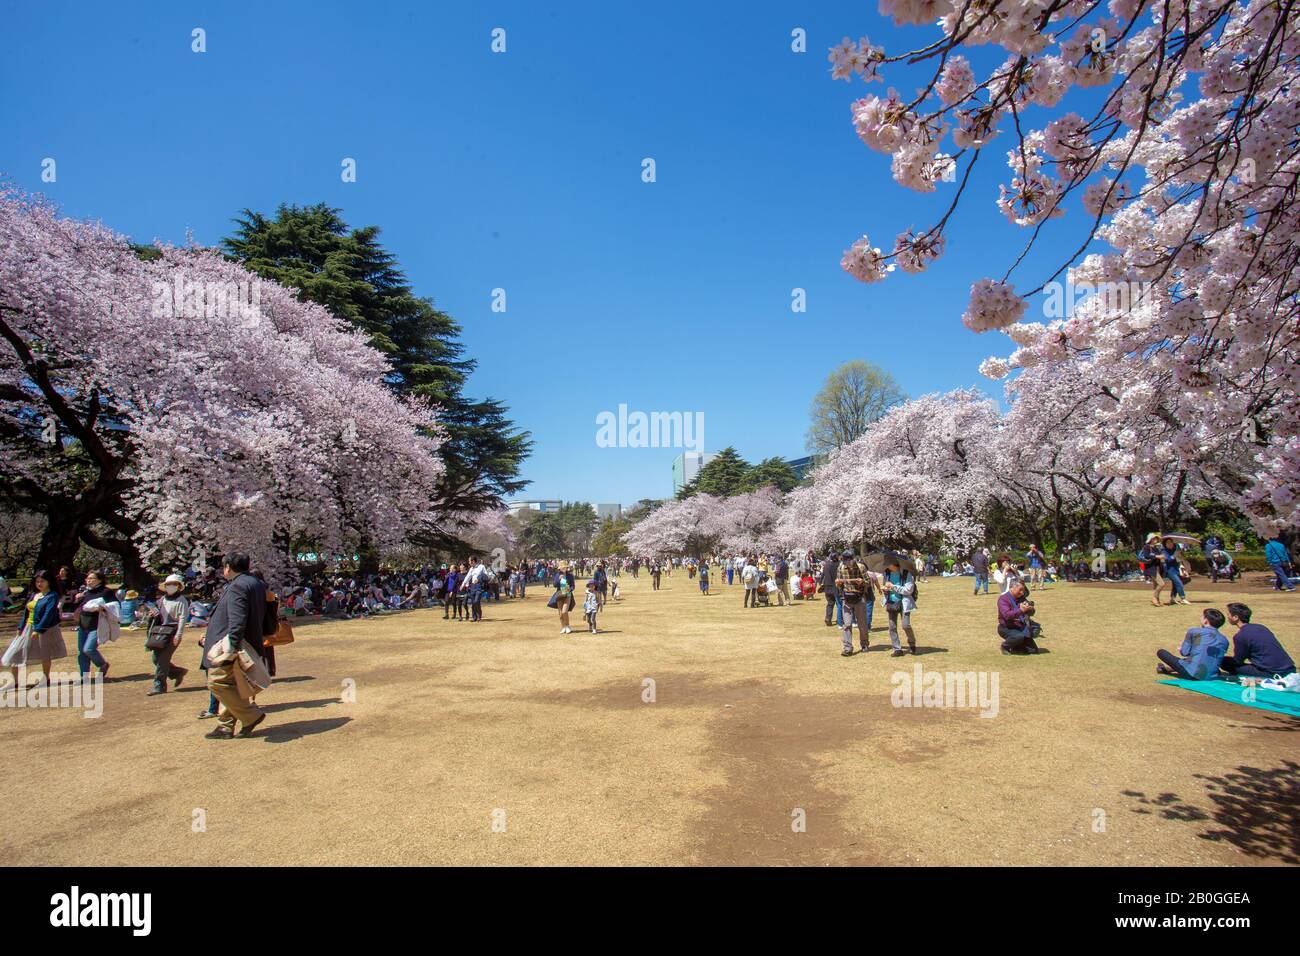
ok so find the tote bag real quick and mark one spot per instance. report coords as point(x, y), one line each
point(15, 654)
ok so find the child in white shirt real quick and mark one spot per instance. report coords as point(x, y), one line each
point(591, 606)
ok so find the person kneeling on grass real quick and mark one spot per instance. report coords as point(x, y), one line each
point(1015, 626)
point(1202, 651)
point(1255, 650)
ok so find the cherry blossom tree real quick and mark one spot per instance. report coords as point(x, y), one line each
point(176, 405)
point(1180, 152)
point(741, 522)
point(922, 471)
point(676, 527)
point(1064, 445)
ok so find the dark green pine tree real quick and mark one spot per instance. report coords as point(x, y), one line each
point(347, 271)
point(723, 476)
point(770, 471)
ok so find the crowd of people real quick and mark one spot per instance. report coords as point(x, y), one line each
point(235, 606)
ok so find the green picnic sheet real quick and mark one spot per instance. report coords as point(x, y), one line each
point(1278, 701)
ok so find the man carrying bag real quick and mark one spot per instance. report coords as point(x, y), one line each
point(235, 630)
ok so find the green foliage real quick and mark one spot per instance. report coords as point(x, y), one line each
point(855, 395)
point(1215, 517)
point(609, 539)
point(311, 248)
point(770, 471)
point(723, 476)
point(542, 535)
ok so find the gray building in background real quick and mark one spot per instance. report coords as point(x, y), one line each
point(686, 466)
point(801, 466)
point(515, 508)
point(612, 512)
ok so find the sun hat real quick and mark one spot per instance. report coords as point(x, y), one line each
point(132, 595)
point(174, 579)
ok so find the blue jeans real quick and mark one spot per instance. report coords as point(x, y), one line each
point(88, 651)
point(476, 604)
point(1283, 579)
point(1176, 582)
point(981, 579)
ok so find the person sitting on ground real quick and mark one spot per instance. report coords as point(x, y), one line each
point(807, 587)
point(1255, 651)
point(1202, 651)
point(1015, 626)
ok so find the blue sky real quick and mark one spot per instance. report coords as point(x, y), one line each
point(522, 171)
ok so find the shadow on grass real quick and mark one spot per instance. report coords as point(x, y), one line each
point(1255, 809)
point(283, 733)
point(1275, 722)
point(294, 705)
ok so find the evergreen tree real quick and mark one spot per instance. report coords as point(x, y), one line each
point(770, 471)
point(723, 476)
point(346, 270)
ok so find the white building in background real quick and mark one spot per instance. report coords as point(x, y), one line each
point(686, 466)
point(515, 508)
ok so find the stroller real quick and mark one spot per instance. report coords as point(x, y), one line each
point(765, 588)
point(1222, 565)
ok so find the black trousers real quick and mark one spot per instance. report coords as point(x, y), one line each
point(1170, 660)
point(1233, 666)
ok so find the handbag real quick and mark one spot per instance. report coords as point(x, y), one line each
point(160, 635)
point(555, 599)
point(283, 635)
point(161, 631)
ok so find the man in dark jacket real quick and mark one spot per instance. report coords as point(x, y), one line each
point(979, 561)
point(238, 615)
point(830, 571)
point(1256, 651)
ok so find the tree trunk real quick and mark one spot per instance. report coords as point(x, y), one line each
point(59, 542)
point(134, 573)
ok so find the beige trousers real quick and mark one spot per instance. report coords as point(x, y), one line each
point(229, 690)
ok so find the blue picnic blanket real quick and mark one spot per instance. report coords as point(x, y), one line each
point(1278, 701)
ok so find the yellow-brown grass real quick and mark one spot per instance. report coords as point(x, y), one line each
point(756, 717)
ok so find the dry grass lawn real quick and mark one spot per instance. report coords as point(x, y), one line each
point(457, 727)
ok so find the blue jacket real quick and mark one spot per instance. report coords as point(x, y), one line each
point(1275, 553)
point(1203, 650)
point(46, 614)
